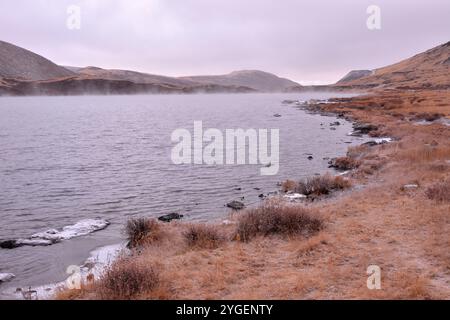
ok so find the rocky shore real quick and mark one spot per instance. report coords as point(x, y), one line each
point(393, 214)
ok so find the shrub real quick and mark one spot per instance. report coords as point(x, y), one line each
point(345, 163)
point(127, 278)
point(140, 230)
point(322, 185)
point(203, 236)
point(439, 192)
point(288, 185)
point(275, 217)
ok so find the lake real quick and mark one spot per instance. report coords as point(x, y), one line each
point(67, 159)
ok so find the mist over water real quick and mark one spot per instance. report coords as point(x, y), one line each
point(65, 159)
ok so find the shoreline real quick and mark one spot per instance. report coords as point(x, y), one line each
point(416, 287)
point(98, 261)
point(395, 221)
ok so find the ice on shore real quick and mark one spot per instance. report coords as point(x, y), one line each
point(4, 277)
point(51, 236)
point(383, 140)
point(81, 228)
point(93, 268)
point(294, 196)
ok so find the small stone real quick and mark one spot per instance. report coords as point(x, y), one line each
point(171, 216)
point(235, 205)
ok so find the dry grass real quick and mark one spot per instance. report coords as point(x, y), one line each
point(203, 236)
point(288, 185)
point(142, 230)
point(128, 278)
point(439, 191)
point(317, 185)
point(357, 151)
point(425, 153)
point(428, 116)
point(322, 185)
point(276, 217)
point(346, 163)
point(404, 233)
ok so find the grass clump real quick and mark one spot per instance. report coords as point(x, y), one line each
point(142, 230)
point(345, 163)
point(317, 185)
point(439, 192)
point(203, 236)
point(128, 278)
point(275, 217)
point(322, 185)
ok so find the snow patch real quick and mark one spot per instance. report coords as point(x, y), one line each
point(4, 277)
point(49, 237)
point(92, 269)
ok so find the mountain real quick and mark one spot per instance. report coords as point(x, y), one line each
point(255, 79)
point(19, 63)
point(430, 69)
point(133, 76)
point(354, 75)
point(23, 72)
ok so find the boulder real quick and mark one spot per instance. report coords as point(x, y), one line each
point(236, 205)
point(9, 244)
point(171, 216)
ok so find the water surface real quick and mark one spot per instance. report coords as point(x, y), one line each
point(64, 159)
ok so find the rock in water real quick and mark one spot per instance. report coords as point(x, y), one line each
point(235, 205)
point(171, 216)
point(9, 244)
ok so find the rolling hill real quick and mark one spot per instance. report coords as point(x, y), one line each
point(258, 80)
point(22, 64)
point(430, 69)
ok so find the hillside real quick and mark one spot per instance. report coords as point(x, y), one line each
point(430, 69)
point(354, 75)
point(133, 76)
point(19, 63)
point(258, 80)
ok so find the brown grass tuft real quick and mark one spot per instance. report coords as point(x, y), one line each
point(128, 278)
point(275, 217)
point(203, 236)
point(322, 185)
point(345, 163)
point(142, 230)
point(289, 185)
point(439, 191)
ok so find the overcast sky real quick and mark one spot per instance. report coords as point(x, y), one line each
point(307, 41)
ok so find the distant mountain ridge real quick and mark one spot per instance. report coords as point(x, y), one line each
point(23, 72)
point(259, 80)
point(19, 63)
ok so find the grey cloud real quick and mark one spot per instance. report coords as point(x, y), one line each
point(314, 41)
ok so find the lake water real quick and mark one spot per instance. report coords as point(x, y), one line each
point(66, 159)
